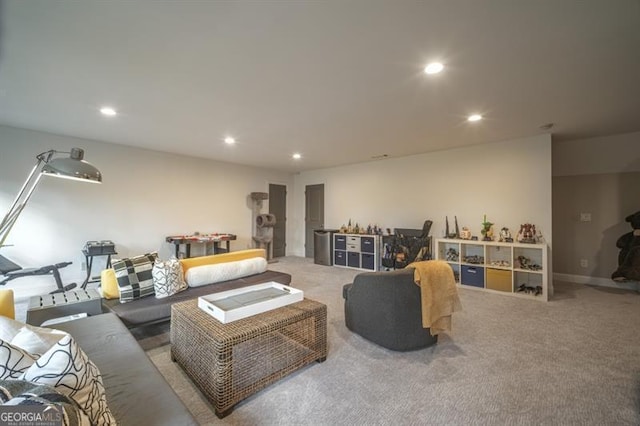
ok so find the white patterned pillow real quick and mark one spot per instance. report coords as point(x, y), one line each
point(68, 369)
point(168, 278)
point(23, 393)
point(35, 340)
point(134, 276)
point(14, 361)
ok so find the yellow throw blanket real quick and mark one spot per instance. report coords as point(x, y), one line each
point(439, 294)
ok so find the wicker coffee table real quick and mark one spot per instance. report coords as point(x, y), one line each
point(229, 362)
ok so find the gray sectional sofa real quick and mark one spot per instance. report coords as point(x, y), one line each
point(137, 394)
point(149, 310)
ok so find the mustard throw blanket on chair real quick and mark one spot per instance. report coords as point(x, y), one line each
point(439, 294)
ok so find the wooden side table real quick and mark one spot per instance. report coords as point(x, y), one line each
point(49, 306)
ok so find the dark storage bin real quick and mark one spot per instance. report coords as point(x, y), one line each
point(340, 242)
point(93, 248)
point(96, 248)
point(473, 276)
point(368, 261)
point(367, 244)
point(353, 259)
point(108, 247)
point(340, 258)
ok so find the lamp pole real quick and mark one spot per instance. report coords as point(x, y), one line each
point(73, 167)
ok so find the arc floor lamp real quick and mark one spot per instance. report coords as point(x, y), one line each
point(71, 167)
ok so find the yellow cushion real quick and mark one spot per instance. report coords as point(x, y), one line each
point(7, 307)
point(221, 258)
point(109, 284)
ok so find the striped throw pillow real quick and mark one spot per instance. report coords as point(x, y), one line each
point(134, 276)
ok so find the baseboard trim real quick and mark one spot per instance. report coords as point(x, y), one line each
point(602, 282)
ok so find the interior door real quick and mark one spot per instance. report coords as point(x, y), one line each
point(278, 207)
point(314, 214)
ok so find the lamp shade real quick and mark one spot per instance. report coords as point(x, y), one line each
point(73, 167)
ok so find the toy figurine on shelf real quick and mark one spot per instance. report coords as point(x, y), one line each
point(452, 255)
point(448, 234)
point(487, 230)
point(505, 235)
point(465, 234)
point(524, 262)
point(537, 290)
point(527, 233)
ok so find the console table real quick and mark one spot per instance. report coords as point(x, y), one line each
point(211, 241)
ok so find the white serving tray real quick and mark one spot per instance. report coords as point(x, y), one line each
point(232, 305)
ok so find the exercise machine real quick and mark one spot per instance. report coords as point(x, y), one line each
point(12, 271)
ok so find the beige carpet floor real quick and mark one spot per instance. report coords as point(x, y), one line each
point(572, 361)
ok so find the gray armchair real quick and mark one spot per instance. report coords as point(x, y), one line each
point(385, 308)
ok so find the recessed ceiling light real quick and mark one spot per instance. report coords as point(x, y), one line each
point(229, 140)
point(296, 156)
point(433, 68)
point(474, 117)
point(108, 111)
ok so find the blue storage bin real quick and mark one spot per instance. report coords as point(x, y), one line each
point(472, 275)
point(340, 258)
point(353, 259)
point(367, 244)
point(340, 242)
point(368, 261)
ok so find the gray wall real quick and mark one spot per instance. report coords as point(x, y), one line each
point(599, 176)
point(145, 196)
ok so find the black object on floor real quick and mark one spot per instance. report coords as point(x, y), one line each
point(7, 266)
point(11, 271)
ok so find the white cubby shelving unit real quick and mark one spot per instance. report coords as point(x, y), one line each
point(517, 269)
point(358, 251)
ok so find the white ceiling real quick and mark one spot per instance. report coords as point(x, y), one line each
point(338, 81)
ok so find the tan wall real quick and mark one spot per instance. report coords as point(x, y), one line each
point(600, 176)
point(608, 198)
point(607, 154)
